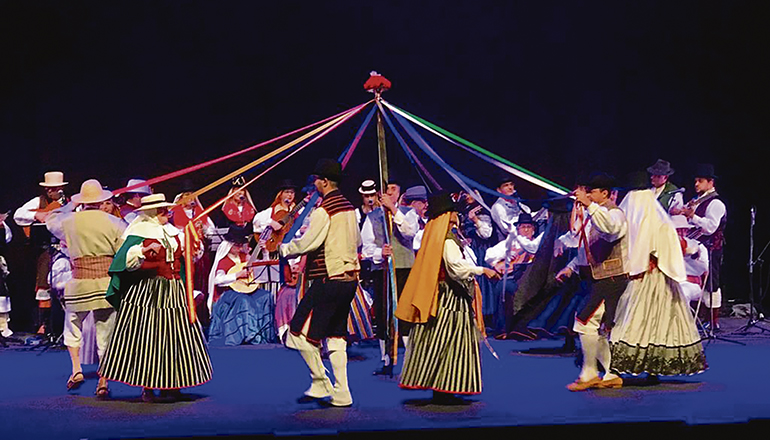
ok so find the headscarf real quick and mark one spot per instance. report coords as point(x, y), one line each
point(651, 231)
point(222, 250)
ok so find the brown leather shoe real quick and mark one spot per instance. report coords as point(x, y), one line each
point(611, 383)
point(579, 385)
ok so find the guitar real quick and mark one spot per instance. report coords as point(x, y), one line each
point(285, 218)
point(248, 284)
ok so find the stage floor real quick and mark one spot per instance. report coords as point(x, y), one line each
point(254, 392)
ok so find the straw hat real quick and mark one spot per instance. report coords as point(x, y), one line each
point(91, 191)
point(154, 201)
point(368, 187)
point(53, 179)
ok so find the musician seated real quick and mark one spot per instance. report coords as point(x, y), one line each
point(519, 249)
point(696, 260)
point(240, 313)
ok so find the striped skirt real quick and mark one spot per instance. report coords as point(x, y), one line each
point(443, 354)
point(154, 345)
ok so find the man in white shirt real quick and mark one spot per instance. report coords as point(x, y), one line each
point(506, 211)
point(707, 212)
point(5, 301)
point(602, 258)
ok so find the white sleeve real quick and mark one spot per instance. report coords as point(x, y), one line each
point(407, 223)
point(61, 273)
point(417, 242)
point(484, 226)
point(498, 215)
point(312, 239)
point(495, 253)
point(611, 222)
point(714, 213)
point(569, 239)
point(8, 233)
point(458, 267)
point(262, 220)
point(528, 245)
point(134, 257)
point(25, 215)
point(370, 250)
point(677, 202)
point(223, 279)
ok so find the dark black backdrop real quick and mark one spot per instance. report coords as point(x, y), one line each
point(115, 90)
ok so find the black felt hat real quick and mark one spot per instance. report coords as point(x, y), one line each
point(440, 203)
point(328, 169)
point(524, 218)
point(705, 170)
point(503, 178)
point(661, 168)
point(188, 186)
point(239, 234)
point(286, 184)
point(601, 181)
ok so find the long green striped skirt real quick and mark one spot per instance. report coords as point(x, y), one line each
point(154, 345)
point(443, 354)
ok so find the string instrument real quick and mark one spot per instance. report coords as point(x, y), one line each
point(696, 232)
point(285, 218)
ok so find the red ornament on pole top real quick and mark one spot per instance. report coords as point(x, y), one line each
point(376, 83)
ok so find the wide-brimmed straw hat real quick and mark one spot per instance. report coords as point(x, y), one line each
point(53, 179)
point(91, 191)
point(154, 201)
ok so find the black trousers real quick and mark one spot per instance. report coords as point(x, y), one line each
point(327, 304)
point(607, 290)
point(381, 302)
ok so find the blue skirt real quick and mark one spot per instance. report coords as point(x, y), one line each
point(240, 318)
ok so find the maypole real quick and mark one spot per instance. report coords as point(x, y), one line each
point(378, 84)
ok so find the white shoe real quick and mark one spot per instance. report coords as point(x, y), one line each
point(7, 333)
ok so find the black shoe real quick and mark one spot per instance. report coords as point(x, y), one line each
point(386, 370)
point(308, 399)
point(440, 398)
point(651, 379)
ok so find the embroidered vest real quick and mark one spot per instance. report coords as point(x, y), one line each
point(716, 240)
point(333, 203)
point(403, 254)
point(604, 257)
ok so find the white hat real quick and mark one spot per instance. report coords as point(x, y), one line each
point(680, 222)
point(91, 191)
point(154, 201)
point(53, 179)
point(141, 190)
point(368, 187)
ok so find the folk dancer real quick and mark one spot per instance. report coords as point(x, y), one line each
point(239, 209)
point(601, 258)
point(655, 332)
point(31, 217)
point(668, 194)
point(147, 291)
point(133, 200)
point(513, 256)
point(92, 238)
point(443, 348)
point(5, 300)
point(369, 202)
point(707, 212)
point(331, 242)
point(376, 250)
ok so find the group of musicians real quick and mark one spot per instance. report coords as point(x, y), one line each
point(375, 245)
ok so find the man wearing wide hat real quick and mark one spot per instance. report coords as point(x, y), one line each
point(92, 237)
point(331, 242)
point(368, 191)
point(376, 249)
point(602, 259)
point(133, 199)
point(506, 210)
point(668, 194)
point(32, 217)
point(707, 212)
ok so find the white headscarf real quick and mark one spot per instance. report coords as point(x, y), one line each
point(222, 250)
point(148, 226)
point(651, 231)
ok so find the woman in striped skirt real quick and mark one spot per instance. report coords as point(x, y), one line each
point(156, 344)
point(443, 350)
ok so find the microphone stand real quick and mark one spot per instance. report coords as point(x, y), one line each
point(753, 321)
